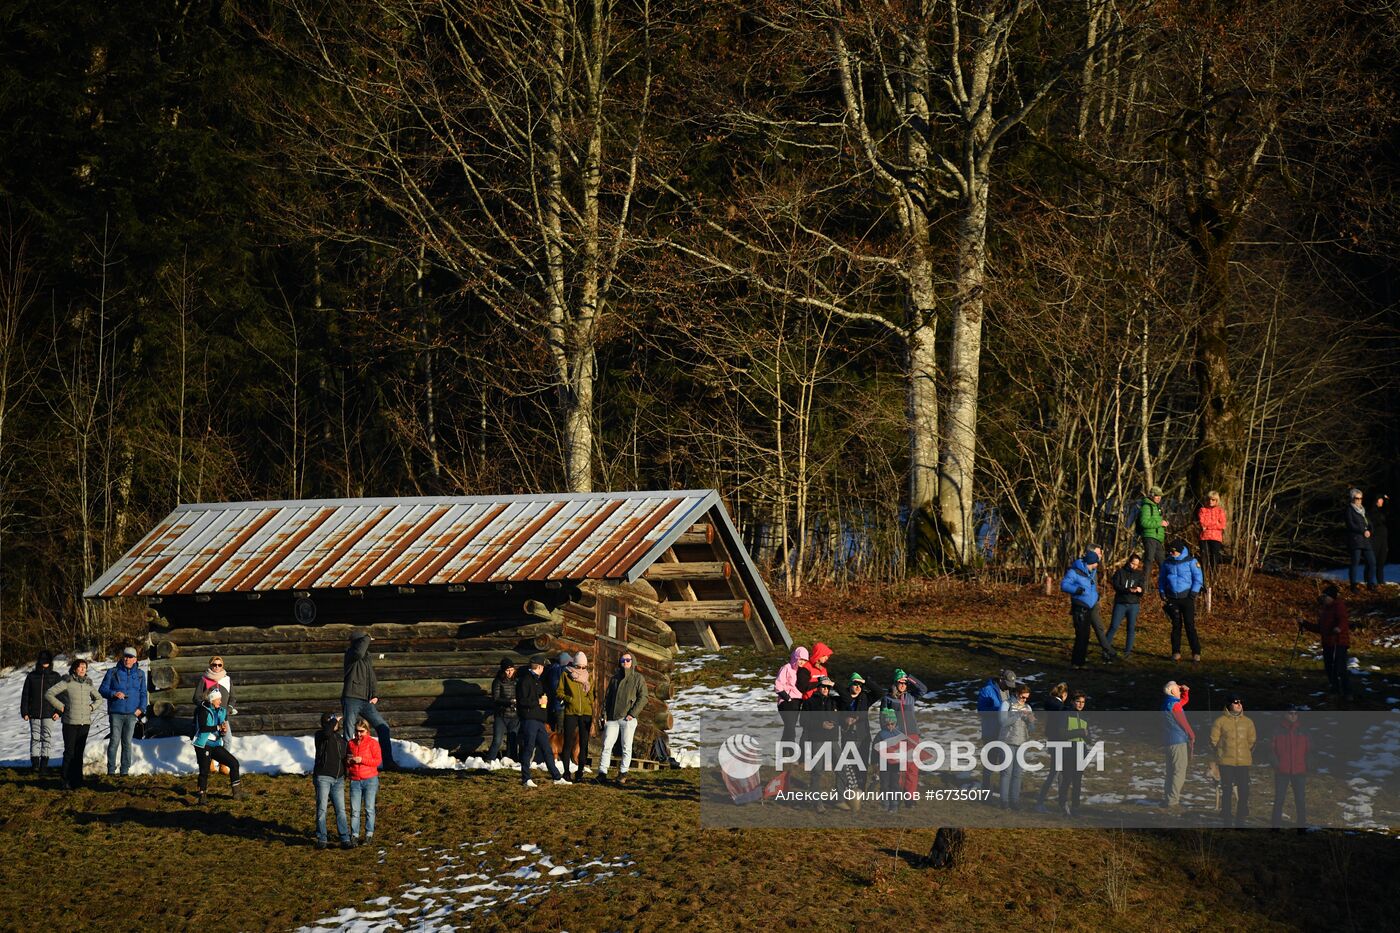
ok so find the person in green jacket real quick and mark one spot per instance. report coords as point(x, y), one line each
point(624, 701)
point(1151, 526)
point(576, 692)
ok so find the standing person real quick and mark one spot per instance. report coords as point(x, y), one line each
point(893, 755)
point(855, 725)
point(76, 700)
point(1232, 737)
point(215, 676)
point(1152, 527)
point(1081, 583)
point(210, 730)
point(623, 702)
point(1290, 751)
point(1128, 583)
point(532, 704)
point(1054, 732)
point(1358, 527)
point(821, 733)
point(505, 725)
point(35, 711)
point(1076, 732)
point(553, 673)
point(1016, 723)
point(575, 692)
point(1380, 533)
point(1178, 583)
point(1178, 738)
point(788, 694)
point(359, 699)
point(989, 701)
point(124, 689)
point(1211, 518)
point(1334, 629)
point(364, 761)
point(328, 774)
point(904, 692)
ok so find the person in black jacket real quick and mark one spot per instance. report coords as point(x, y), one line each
point(329, 776)
point(37, 713)
point(1380, 532)
point(359, 698)
point(1055, 732)
point(505, 723)
point(821, 733)
point(532, 705)
point(1359, 541)
point(1127, 600)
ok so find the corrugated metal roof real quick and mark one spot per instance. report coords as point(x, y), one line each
point(243, 547)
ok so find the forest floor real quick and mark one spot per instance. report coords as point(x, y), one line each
point(472, 849)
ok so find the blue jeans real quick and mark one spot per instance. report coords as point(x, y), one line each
point(363, 791)
point(505, 733)
point(535, 738)
point(123, 731)
point(1358, 555)
point(333, 789)
point(1123, 611)
point(363, 709)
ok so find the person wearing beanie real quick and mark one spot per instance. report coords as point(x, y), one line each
point(1359, 534)
point(505, 724)
point(1232, 736)
point(1080, 582)
point(124, 689)
point(905, 690)
point(532, 704)
point(891, 752)
point(1334, 629)
point(215, 677)
point(37, 713)
point(210, 730)
point(328, 773)
point(1178, 582)
point(855, 724)
point(575, 692)
point(1151, 527)
point(1380, 532)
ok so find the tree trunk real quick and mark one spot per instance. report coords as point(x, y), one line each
point(922, 414)
point(1215, 464)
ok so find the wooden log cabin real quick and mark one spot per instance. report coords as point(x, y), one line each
point(446, 586)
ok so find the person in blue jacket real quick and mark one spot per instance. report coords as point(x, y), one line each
point(1178, 582)
point(989, 699)
point(124, 689)
point(210, 743)
point(1081, 583)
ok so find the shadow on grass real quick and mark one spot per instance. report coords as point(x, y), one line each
point(205, 821)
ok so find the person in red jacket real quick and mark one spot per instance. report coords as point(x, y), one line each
point(1290, 748)
point(363, 766)
point(809, 675)
point(1334, 629)
point(1211, 518)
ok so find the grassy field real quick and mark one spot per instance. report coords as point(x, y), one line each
point(139, 855)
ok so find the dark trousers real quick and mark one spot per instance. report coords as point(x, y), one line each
point(1071, 783)
point(1334, 662)
point(1210, 558)
point(1051, 773)
point(505, 735)
point(1085, 618)
point(1360, 555)
point(1380, 547)
point(1181, 610)
point(74, 745)
point(534, 737)
point(576, 729)
point(788, 709)
point(1154, 552)
point(207, 756)
point(1281, 784)
point(1236, 777)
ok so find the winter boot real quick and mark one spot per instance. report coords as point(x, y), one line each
point(200, 802)
point(237, 790)
point(34, 764)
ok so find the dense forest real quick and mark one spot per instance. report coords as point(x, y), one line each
point(920, 286)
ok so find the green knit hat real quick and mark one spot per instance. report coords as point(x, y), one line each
point(857, 679)
point(900, 675)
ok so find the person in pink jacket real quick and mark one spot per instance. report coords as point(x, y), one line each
point(1211, 518)
point(789, 696)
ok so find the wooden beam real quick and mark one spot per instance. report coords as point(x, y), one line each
point(331, 691)
point(689, 570)
point(235, 634)
point(235, 663)
point(698, 534)
point(713, 610)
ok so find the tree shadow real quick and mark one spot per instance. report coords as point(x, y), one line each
point(203, 820)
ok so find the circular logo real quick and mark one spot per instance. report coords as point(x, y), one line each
point(740, 756)
point(305, 611)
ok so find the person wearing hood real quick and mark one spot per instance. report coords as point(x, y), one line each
point(1334, 629)
point(532, 703)
point(359, 699)
point(623, 702)
point(788, 694)
point(1178, 582)
point(35, 711)
point(210, 732)
point(1080, 582)
point(1129, 582)
point(76, 700)
point(989, 701)
point(1380, 532)
point(124, 689)
point(1178, 738)
point(1359, 535)
point(1151, 526)
point(505, 724)
point(575, 692)
point(552, 675)
point(1290, 753)
point(1211, 518)
point(328, 774)
point(1232, 737)
point(811, 673)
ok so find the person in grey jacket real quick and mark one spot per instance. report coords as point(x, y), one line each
point(76, 699)
point(623, 703)
point(359, 698)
